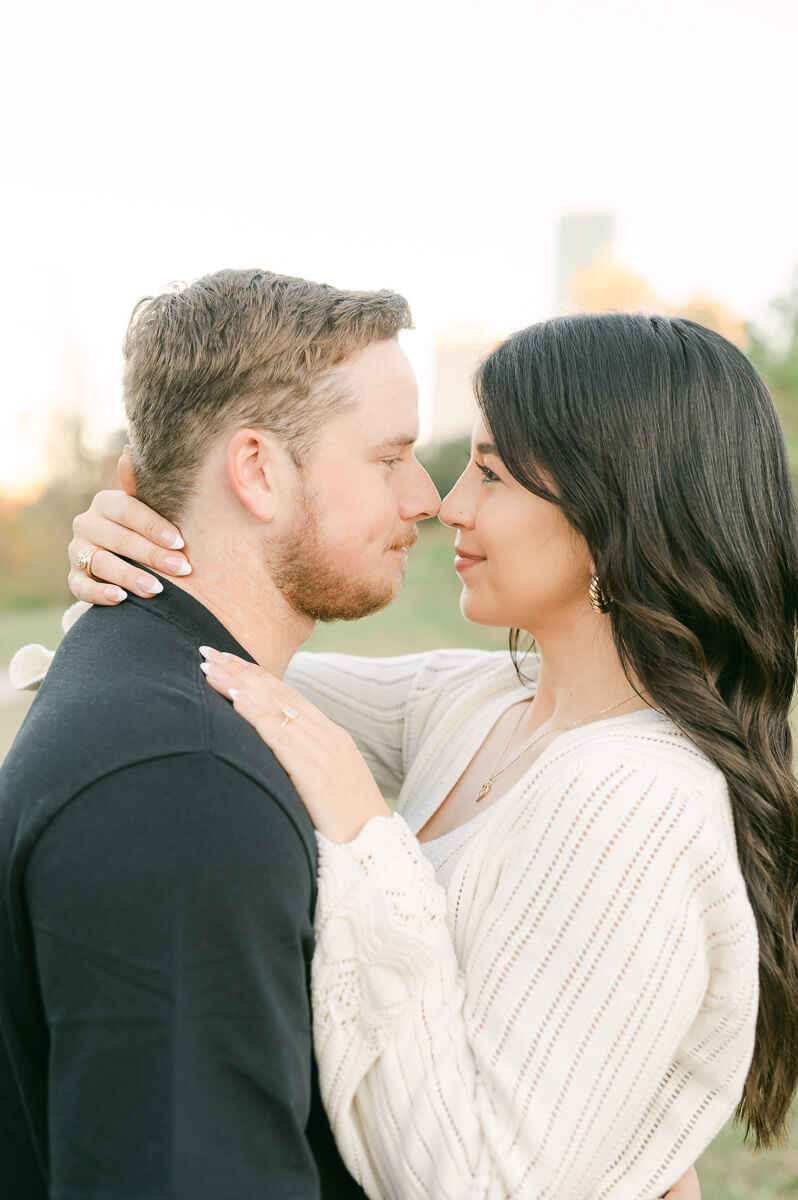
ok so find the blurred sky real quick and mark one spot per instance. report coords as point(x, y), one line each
point(430, 146)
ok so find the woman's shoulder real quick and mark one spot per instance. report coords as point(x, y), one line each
point(645, 741)
point(630, 773)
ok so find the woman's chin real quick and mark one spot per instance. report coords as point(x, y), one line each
point(480, 613)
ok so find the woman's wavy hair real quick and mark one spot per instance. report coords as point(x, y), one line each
point(666, 454)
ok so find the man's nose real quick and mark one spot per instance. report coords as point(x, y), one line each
point(424, 500)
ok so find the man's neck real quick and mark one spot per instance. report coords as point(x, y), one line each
point(250, 608)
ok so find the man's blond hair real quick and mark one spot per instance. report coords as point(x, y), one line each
point(233, 349)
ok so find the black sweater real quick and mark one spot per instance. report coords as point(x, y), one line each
point(158, 882)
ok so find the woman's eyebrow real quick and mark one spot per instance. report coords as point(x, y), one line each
point(487, 448)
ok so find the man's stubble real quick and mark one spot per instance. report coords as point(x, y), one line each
point(315, 587)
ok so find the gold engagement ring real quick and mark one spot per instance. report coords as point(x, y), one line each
point(288, 715)
point(84, 559)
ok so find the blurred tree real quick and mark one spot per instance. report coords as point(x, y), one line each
point(34, 536)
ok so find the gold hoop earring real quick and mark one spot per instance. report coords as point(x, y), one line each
point(599, 600)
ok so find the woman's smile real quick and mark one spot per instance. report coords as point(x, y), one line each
point(463, 559)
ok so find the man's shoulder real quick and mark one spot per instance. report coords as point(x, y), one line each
point(124, 693)
point(120, 688)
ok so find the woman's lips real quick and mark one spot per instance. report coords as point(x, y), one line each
point(463, 561)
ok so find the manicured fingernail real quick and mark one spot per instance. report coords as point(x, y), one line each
point(208, 652)
point(114, 594)
point(206, 668)
point(232, 693)
point(147, 584)
point(177, 566)
point(172, 541)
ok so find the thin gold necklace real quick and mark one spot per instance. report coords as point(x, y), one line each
point(488, 784)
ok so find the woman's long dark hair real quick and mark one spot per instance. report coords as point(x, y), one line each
point(666, 454)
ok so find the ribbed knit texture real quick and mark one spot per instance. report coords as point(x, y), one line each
point(572, 1015)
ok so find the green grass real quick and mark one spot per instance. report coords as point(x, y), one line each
point(32, 625)
point(424, 616)
point(728, 1170)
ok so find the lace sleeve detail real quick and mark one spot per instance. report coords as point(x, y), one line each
point(379, 918)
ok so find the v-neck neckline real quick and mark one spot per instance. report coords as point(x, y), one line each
point(458, 767)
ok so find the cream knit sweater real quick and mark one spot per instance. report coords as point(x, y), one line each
point(567, 1009)
point(572, 1015)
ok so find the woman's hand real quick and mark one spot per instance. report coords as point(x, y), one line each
point(319, 757)
point(118, 523)
point(686, 1188)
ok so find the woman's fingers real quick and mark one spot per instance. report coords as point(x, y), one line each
point(118, 524)
point(226, 672)
point(93, 591)
point(320, 758)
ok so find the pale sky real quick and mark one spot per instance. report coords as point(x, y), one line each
point(426, 146)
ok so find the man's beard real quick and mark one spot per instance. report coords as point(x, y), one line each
point(314, 587)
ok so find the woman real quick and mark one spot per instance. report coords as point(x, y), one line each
point(541, 978)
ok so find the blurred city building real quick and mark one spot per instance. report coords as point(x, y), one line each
point(607, 284)
point(592, 278)
point(582, 236)
point(458, 352)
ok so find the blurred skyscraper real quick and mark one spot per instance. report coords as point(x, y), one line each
point(457, 354)
point(581, 237)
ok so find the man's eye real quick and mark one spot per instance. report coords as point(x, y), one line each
point(488, 476)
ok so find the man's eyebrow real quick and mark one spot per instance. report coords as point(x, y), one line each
point(401, 439)
point(487, 448)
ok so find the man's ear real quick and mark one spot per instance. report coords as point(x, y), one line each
point(125, 472)
point(258, 469)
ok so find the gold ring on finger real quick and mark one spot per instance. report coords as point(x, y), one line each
point(84, 559)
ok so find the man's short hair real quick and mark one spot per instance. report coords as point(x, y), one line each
point(233, 349)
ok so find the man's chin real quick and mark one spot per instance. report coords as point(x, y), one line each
point(353, 605)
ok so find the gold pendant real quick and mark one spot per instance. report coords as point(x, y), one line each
point(483, 791)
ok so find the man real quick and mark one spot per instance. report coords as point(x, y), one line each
point(158, 868)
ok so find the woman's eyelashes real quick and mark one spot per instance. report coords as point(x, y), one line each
point(488, 476)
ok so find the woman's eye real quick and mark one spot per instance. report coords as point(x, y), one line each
point(488, 476)
point(392, 462)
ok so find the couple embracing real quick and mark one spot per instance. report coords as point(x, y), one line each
point(566, 958)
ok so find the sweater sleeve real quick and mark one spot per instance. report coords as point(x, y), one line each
point(577, 1026)
point(383, 703)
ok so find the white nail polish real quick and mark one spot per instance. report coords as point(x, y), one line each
point(232, 693)
point(185, 569)
point(178, 543)
point(205, 651)
point(152, 586)
point(205, 668)
point(115, 594)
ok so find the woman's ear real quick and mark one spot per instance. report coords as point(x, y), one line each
point(259, 470)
